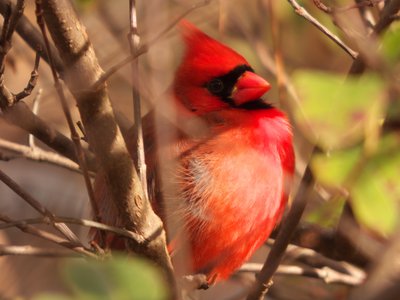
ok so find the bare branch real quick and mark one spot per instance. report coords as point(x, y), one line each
point(11, 18)
point(134, 41)
point(103, 133)
point(326, 274)
point(360, 4)
point(32, 81)
point(303, 13)
point(13, 14)
point(20, 115)
point(384, 277)
point(74, 134)
point(387, 17)
point(31, 35)
point(35, 251)
point(51, 238)
point(68, 220)
point(145, 47)
point(35, 110)
point(62, 228)
point(264, 282)
point(317, 260)
point(37, 154)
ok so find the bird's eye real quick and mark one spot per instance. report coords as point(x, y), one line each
point(215, 86)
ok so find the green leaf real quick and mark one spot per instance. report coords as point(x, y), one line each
point(391, 44)
point(333, 169)
point(334, 111)
point(375, 194)
point(117, 278)
point(326, 214)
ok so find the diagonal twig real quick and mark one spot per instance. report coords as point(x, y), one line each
point(32, 81)
point(142, 49)
point(103, 133)
point(31, 35)
point(48, 236)
point(38, 154)
point(327, 274)
point(68, 220)
point(74, 134)
point(134, 41)
point(62, 228)
point(28, 250)
point(301, 11)
point(264, 282)
point(386, 18)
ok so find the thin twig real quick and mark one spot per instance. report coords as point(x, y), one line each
point(62, 228)
point(322, 6)
point(317, 260)
point(38, 154)
point(31, 35)
point(61, 95)
point(145, 47)
point(18, 113)
point(28, 250)
point(326, 274)
point(303, 13)
point(11, 18)
point(386, 18)
point(21, 115)
point(76, 221)
point(264, 282)
point(35, 110)
point(32, 81)
point(48, 236)
point(10, 22)
point(134, 41)
point(104, 135)
point(360, 4)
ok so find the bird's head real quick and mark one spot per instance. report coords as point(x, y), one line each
point(212, 76)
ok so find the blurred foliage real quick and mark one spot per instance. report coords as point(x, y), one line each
point(374, 192)
point(81, 5)
point(343, 116)
point(337, 109)
point(118, 278)
point(391, 44)
point(50, 296)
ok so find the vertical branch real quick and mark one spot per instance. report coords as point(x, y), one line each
point(264, 278)
point(31, 35)
point(74, 134)
point(386, 18)
point(11, 19)
point(104, 135)
point(134, 41)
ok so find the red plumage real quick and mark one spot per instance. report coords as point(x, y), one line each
point(230, 177)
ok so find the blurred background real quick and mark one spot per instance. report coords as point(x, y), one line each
point(346, 126)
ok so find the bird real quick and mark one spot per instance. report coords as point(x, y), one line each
point(230, 161)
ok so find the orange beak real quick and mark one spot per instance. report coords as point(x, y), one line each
point(249, 87)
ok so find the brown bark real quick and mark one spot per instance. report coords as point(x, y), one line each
point(102, 131)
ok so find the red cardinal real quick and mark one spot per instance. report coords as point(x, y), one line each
point(231, 174)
